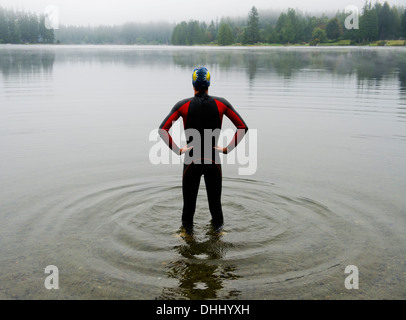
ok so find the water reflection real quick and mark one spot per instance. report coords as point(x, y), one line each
point(366, 63)
point(402, 84)
point(251, 62)
point(201, 271)
point(286, 62)
point(26, 62)
point(402, 76)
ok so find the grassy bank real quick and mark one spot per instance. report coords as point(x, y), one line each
point(389, 43)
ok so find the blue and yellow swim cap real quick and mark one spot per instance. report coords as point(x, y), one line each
point(201, 78)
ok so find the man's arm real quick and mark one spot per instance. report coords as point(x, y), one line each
point(166, 125)
point(237, 120)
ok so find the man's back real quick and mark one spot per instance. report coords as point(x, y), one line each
point(203, 112)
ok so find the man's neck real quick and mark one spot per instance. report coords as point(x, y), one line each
point(201, 92)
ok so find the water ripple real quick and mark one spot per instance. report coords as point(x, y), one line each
point(128, 233)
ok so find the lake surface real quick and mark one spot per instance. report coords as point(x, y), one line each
point(79, 189)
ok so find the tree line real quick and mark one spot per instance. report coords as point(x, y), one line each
point(24, 27)
point(128, 33)
point(376, 22)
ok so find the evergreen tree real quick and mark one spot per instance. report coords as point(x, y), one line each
point(251, 35)
point(285, 28)
point(46, 35)
point(211, 32)
point(369, 24)
point(300, 26)
point(3, 26)
point(179, 35)
point(403, 25)
point(13, 28)
point(225, 35)
point(397, 14)
point(34, 28)
point(294, 22)
point(189, 33)
point(196, 33)
point(386, 20)
point(23, 27)
point(270, 35)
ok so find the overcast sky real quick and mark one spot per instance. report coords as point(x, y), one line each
point(95, 12)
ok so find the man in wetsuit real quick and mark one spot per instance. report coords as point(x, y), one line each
point(202, 119)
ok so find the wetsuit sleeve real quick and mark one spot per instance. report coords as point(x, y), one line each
point(237, 120)
point(167, 124)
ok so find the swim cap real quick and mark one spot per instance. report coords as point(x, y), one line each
point(201, 78)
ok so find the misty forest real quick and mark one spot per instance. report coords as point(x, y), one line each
point(377, 23)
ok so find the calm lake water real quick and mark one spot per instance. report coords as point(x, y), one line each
point(79, 190)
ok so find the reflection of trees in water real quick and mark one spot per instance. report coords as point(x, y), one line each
point(251, 62)
point(369, 65)
point(26, 62)
point(366, 63)
point(200, 271)
point(402, 84)
point(126, 55)
point(402, 74)
point(193, 58)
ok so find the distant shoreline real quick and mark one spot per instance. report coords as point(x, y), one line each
point(380, 43)
point(342, 43)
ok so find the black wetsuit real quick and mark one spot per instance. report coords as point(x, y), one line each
point(202, 114)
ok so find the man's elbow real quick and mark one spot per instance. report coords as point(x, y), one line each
point(162, 132)
point(243, 128)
